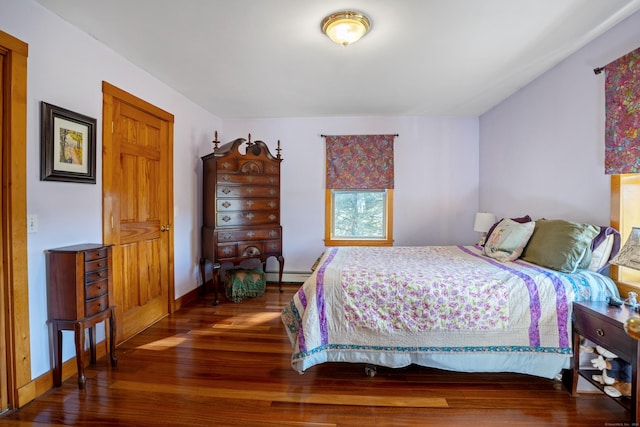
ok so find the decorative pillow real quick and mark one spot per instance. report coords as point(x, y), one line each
point(521, 220)
point(560, 245)
point(508, 239)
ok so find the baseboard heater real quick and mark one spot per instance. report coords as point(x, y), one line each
point(288, 276)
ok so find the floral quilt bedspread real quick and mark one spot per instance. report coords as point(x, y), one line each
point(374, 302)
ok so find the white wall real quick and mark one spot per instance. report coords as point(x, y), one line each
point(542, 150)
point(66, 68)
point(436, 177)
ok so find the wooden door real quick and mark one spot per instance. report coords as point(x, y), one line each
point(138, 208)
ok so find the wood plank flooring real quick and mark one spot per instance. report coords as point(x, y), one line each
point(228, 365)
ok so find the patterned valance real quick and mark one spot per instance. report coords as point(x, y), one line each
point(622, 129)
point(359, 162)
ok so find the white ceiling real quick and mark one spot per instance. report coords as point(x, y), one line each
point(263, 59)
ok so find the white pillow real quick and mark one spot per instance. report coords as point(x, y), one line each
point(601, 253)
point(508, 240)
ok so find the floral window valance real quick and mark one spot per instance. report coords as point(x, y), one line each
point(359, 162)
point(622, 135)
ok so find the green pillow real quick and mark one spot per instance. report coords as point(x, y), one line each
point(560, 245)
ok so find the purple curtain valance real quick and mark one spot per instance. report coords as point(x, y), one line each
point(622, 128)
point(359, 162)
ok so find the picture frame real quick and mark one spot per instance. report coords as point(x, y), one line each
point(67, 145)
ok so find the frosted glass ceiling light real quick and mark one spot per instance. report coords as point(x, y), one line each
point(345, 27)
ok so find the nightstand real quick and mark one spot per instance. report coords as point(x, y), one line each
point(604, 325)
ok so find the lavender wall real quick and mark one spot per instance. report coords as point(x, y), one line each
point(542, 150)
point(436, 177)
point(66, 68)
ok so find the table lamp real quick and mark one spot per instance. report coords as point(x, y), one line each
point(629, 256)
point(484, 222)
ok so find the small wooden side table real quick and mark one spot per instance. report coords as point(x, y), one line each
point(604, 325)
point(79, 296)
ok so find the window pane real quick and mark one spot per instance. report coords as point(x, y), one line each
point(359, 214)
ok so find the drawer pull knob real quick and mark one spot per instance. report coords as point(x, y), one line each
point(600, 332)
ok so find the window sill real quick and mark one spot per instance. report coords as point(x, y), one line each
point(341, 242)
point(628, 286)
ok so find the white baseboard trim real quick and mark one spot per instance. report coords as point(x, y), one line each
point(288, 276)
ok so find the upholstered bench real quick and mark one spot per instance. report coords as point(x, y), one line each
point(241, 283)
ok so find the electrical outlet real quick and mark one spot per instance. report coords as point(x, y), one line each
point(32, 223)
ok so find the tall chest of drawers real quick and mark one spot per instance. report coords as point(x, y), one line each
point(241, 206)
point(79, 280)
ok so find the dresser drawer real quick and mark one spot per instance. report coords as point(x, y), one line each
point(96, 305)
point(231, 219)
point(227, 164)
point(272, 246)
point(225, 205)
point(93, 276)
point(95, 265)
point(95, 254)
point(96, 289)
point(231, 191)
point(241, 178)
point(226, 250)
point(247, 249)
point(248, 234)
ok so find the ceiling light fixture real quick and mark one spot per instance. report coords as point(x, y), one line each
point(345, 27)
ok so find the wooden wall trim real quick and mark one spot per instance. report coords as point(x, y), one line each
point(14, 223)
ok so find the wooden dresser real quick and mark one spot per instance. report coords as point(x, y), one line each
point(241, 206)
point(79, 280)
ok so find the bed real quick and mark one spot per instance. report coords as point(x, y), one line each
point(460, 308)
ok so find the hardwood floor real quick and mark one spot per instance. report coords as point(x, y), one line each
point(229, 366)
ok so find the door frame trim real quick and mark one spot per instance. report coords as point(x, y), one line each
point(15, 295)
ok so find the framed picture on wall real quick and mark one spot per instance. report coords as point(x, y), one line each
point(67, 145)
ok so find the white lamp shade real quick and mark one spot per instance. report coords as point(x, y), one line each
point(484, 221)
point(629, 255)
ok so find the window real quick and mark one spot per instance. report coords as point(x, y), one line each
point(625, 199)
point(359, 217)
point(359, 194)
